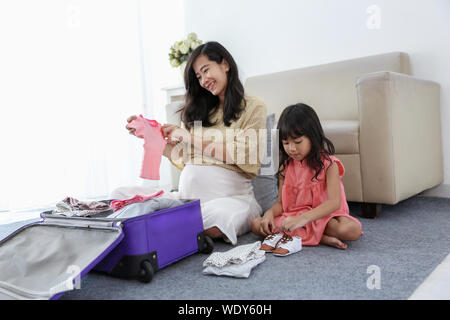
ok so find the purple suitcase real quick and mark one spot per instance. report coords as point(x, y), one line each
point(43, 260)
point(153, 241)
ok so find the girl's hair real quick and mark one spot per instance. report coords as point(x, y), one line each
point(199, 102)
point(301, 120)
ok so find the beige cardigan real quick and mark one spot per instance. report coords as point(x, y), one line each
point(245, 140)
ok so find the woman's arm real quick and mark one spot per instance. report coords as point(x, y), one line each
point(167, 152)
point(174, 152)
point(233, 151)
point(215, 150)
point(327, 207)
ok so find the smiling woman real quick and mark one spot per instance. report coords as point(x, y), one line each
point(211, 76)
point(212, 82)
point(218, 171)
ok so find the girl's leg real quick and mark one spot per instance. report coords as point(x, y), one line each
point(333, 242)
point(341, 229)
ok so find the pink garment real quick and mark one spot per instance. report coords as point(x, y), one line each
point(154, 145)
point(300, 194)
point(119, 204)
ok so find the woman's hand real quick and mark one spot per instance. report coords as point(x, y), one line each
point(291, 223)
point(174, 134)
point(131, 130)
point(267, 223)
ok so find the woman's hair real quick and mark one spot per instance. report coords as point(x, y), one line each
point(199, 102)
point(301, 120)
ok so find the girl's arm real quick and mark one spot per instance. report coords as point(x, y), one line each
point(327, 207)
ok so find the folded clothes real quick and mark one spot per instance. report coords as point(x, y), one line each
point(140, 208)
point(241, 270)
point(70, 207)
point(237, 255)
point(119, 204)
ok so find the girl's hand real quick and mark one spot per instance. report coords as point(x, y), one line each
point(267, 223)
point(175, 134)
point(291, 223)
point(131, 130)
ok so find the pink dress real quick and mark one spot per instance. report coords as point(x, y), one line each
point(154, 145)
point(300, 194)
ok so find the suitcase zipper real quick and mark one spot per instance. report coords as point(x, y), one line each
point(82, 223)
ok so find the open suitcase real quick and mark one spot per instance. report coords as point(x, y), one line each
point(42, 260)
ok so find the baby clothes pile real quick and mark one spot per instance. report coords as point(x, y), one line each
point(70, 207)
point(237, 262)
point(125, 208)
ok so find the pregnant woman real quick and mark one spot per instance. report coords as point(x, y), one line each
point(218, 145)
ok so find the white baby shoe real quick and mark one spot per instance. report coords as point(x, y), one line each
point(270, 242)
point(288, 245)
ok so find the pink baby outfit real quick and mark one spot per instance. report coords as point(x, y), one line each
point(154, 145)
point(300, 194)
point(119, 204)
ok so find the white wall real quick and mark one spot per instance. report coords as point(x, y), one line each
point(71, 72)
point(69, 75)
point(267, 36)
point(162, 23)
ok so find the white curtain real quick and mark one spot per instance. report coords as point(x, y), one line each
point(71, 72)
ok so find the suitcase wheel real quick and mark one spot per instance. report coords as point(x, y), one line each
point(146, 272)
point(208, 245)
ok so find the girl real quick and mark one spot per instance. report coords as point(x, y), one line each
point(211, 169)
point(311, 206)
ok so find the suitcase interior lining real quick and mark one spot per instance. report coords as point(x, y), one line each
point(36, 261)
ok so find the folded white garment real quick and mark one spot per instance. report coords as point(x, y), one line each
point(240, 270)
point(140, 208)
point(237, 255)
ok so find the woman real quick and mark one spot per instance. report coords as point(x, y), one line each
point(216, 146)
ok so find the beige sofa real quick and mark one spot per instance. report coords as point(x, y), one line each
point(384, 123)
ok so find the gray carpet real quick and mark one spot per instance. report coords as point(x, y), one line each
point(406, 242)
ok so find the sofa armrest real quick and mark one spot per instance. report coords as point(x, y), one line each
point(400, 136)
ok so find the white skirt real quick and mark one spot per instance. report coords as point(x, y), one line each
point(226, 198)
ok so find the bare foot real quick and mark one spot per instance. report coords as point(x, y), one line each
point(332, 241)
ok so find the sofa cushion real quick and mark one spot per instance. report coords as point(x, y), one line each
point(344, 134)
point(265, 185)
point(265, 189)
point(328, 88)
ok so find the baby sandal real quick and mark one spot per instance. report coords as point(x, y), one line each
point(288, 245)
point(270, 242)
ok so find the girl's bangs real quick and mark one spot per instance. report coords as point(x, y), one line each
point(290, 130)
